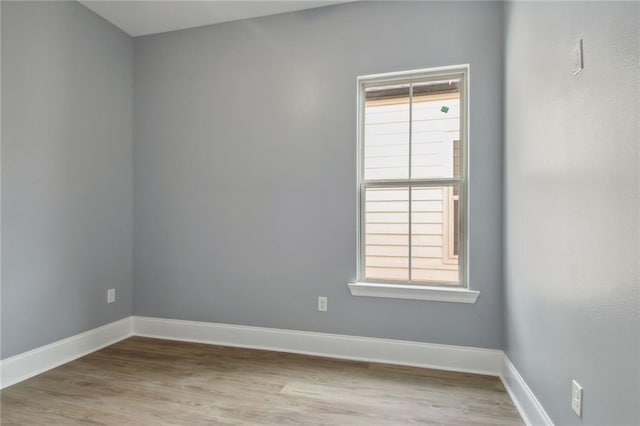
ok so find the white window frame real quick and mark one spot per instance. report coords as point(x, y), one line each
point(429, 291)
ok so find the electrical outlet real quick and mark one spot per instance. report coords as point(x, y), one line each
point(578, 60)
point(111, 295)
point(322, 303)
point(576, 398)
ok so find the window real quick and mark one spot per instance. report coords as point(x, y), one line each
point(412, 180)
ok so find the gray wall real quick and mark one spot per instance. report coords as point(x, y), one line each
point(245, 180)
point(245, 168)
point(66, 172)
point(572, 284)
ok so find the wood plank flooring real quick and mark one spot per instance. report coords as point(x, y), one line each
point(142, 381)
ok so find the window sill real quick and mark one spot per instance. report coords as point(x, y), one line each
point(398, 291)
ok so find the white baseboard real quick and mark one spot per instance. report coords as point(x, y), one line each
point(28, 364)
point(399, 352)
point(523, 398)
point(441, 357)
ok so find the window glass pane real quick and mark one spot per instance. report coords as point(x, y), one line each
point(387, 234)
point(435, 125)
point(386, 132)
point(434, 235)
point(413, 137)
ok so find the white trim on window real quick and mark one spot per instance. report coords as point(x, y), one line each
point(416, 292)
point(446, 292)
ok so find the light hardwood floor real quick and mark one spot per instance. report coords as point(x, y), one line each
point(142, 381)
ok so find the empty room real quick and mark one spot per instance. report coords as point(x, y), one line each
point(320, 212)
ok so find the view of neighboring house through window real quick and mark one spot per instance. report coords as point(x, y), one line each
point(412, 178)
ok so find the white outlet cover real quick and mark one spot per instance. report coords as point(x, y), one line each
point(576, 398)
point(322, 303)
point(111, 295)
point(578, 60)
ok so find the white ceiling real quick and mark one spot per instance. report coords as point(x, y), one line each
point(142, 17)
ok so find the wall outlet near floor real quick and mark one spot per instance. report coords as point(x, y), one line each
point(322, 303)
point(111, 295)
point(576, 398)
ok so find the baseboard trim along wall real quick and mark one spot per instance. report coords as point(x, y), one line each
point(31, 363)
point(426, 355)
point(523, 398)
point(441, 357)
